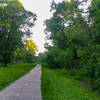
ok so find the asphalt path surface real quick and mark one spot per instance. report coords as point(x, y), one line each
point(26, 88)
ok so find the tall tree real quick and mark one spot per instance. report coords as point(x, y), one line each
point(15, 22)
point(69, 29)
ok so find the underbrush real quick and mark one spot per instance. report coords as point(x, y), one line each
point(57, 85)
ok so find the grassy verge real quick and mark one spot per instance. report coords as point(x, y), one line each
point(12, 73)
point(56, 86)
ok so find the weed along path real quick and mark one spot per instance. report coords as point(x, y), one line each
point(26, 88)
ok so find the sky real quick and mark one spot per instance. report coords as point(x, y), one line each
point(42, 9)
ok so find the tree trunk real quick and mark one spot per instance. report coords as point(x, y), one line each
point(6, 64)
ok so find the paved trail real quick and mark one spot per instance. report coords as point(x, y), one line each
point(26, 88)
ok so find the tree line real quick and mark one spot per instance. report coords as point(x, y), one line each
point(15, 27)
point(75, 35)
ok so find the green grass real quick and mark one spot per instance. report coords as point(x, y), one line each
point(12, 73)
point(57, 86)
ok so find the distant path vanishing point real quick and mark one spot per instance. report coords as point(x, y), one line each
point(26, 88)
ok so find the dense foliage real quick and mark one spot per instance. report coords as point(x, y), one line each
point(15, 23)
point(75, 34)
point(22, 55)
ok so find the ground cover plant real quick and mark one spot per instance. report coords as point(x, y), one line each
point(57, 86)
